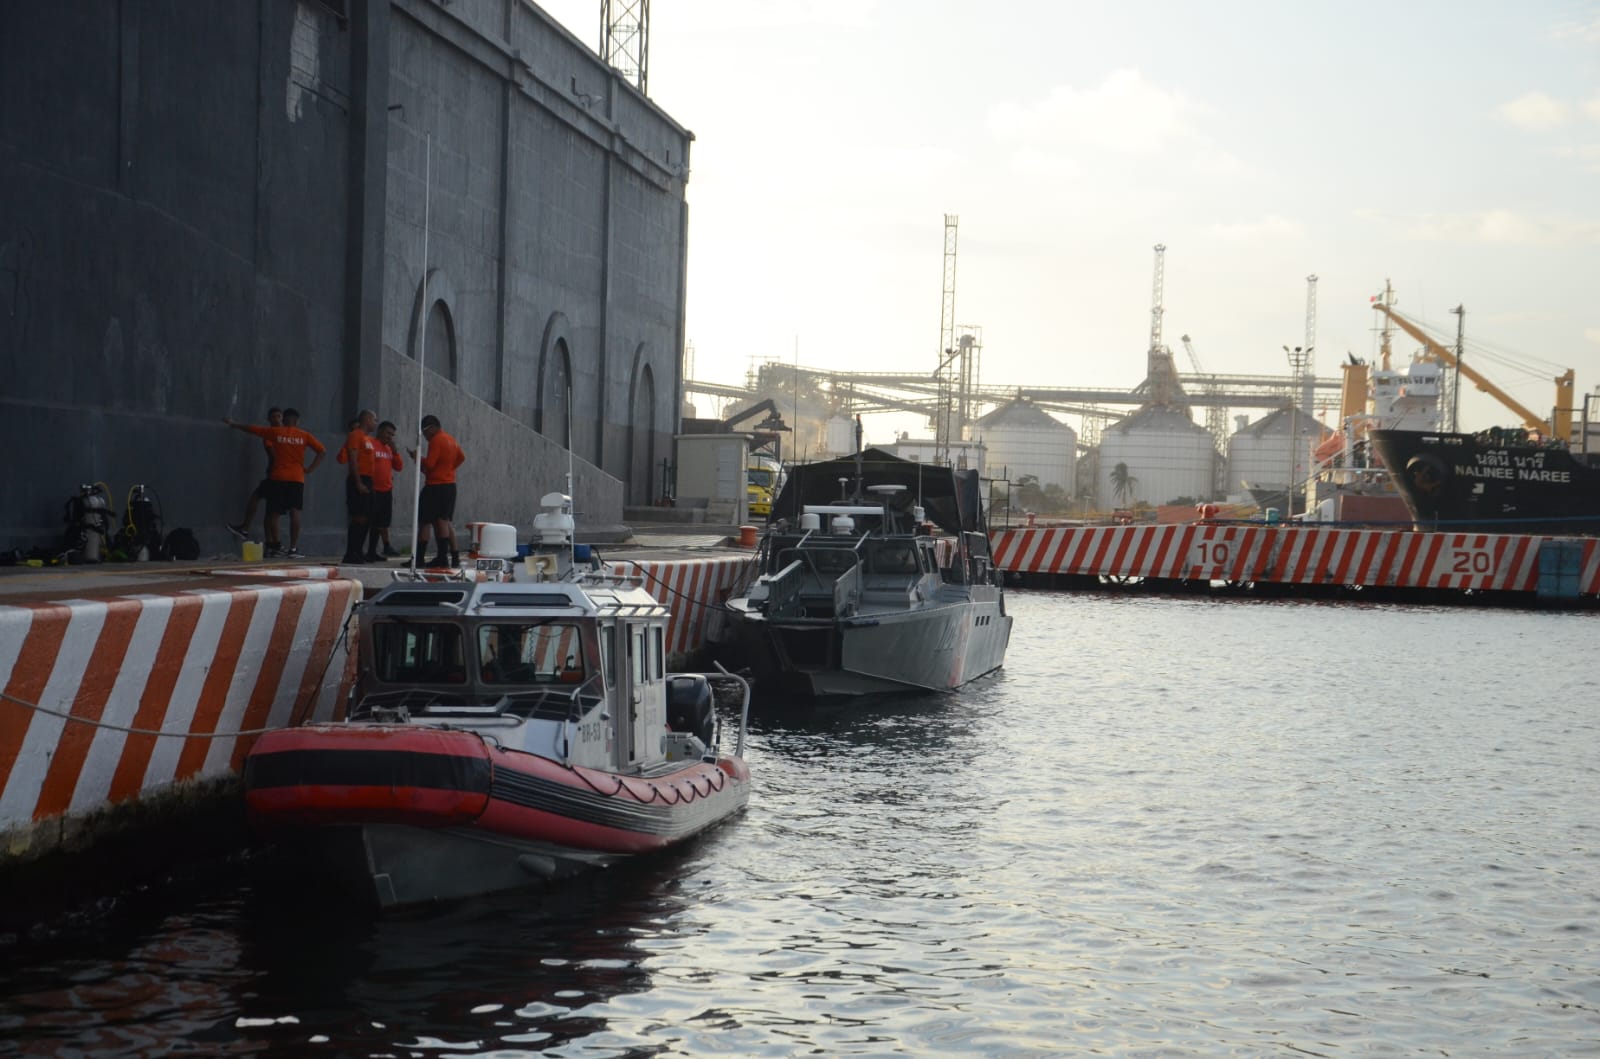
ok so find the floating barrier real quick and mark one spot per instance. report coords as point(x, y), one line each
point(1307, 555)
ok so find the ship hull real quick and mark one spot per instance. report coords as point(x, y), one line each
point(939, 647)
point(1487, 484)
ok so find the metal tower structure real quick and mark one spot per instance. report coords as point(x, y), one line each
point(1307, 378)
point(625, 39)
point(1161, 375)
point(1216, 411)
point(946, 373)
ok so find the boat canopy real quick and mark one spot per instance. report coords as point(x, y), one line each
point(950, 498)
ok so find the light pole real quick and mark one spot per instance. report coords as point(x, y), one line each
point(1299, 358)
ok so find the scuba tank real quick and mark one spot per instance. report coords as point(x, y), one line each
point(89, 521)
point(141, 525)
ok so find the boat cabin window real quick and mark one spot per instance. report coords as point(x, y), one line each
point(531, 653)
point(418, 652)
point(656, 637)
point(893, 558)
point(608, 651)
point(824, 560)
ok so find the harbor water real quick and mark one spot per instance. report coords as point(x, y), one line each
point(1169, 827)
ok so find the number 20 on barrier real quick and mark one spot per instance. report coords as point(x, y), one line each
point(1470, 560)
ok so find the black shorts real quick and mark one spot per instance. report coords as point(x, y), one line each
point(358, 504)
point(437, 502)
point(284, 496)
point(383, 510)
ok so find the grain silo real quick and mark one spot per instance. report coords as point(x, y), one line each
point(1157, 455)
point(1023, 439)
point(1258, 455)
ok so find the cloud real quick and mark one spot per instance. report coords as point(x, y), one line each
point(1592, 334)
point(1592, 108)
point(1505, 227)
point(1270, 228)
point(1534, 111)
point(1586, 155)
point(1587, 32)
point(1125, 114)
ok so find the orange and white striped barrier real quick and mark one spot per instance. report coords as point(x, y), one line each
point(110, 699)
point(694, 590)
point(1305, 555)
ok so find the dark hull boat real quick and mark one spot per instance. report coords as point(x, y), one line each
point(1495, 481)
point(887, 589)
point(508, 728)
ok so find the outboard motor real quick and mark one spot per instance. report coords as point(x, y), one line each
point(689, 705)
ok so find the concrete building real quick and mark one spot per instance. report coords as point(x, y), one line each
point(206, 210)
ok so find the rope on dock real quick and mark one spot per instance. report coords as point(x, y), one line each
point(344, 634)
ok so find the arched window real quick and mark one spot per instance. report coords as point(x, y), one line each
point(555, 417)
point(441, 349)
point(642, 469)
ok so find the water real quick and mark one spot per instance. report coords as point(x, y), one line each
point(1171, 827)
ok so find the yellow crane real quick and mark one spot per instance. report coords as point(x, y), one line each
point(1559, 425)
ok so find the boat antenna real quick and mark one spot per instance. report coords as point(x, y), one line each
point(859, 476)
point(422, 354)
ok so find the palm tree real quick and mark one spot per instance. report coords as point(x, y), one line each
point(1122, 483)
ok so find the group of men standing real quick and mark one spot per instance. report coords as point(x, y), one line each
point(371, 460)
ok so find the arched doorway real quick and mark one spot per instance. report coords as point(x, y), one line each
point(642, 437)
point(555, 396)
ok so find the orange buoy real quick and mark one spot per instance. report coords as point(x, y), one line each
point(747, 536)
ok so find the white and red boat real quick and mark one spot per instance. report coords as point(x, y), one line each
point(510, 724)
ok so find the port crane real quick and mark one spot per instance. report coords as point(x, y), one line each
point(1559, 425)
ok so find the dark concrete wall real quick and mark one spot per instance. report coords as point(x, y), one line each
point(204, 212)
point(172, 225)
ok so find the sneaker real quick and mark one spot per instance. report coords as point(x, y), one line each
point(238, 530)
point(294, 553)
point(438, 562)
point(272, 551)
point(353, 560)
point(374, 557)
point(389, 553)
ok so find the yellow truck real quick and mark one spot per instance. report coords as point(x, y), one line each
point(762, 474)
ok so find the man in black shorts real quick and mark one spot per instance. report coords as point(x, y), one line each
point(241, 529)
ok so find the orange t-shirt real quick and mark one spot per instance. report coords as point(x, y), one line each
point(385, 461)
point(444, 456)
point(360, 443)
point(289, 446)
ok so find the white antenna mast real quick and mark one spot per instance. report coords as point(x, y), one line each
point(422, 352)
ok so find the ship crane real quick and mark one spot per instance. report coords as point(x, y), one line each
point(1216, 411)
point(1559, 425)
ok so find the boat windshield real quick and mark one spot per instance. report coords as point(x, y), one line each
point(894, 557)
point(531, 653)
point(418, 652)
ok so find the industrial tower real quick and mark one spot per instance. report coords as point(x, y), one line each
point(1160, 374)
point(944, 427)
point(625, 39)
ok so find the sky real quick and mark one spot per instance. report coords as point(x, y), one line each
point(1451, 148)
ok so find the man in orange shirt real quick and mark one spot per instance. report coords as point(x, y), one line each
point(385, 461)
point(241, 529)
point(436, 505)
point(357, 455)
point(286, 477)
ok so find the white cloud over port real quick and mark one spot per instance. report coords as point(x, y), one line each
point(1534, 111)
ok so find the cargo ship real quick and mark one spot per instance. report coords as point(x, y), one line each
point(1495, 481)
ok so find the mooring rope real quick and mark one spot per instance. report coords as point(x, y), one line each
point(160, 733)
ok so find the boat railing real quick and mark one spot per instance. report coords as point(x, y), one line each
point(563, 702)
point(783, 587)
